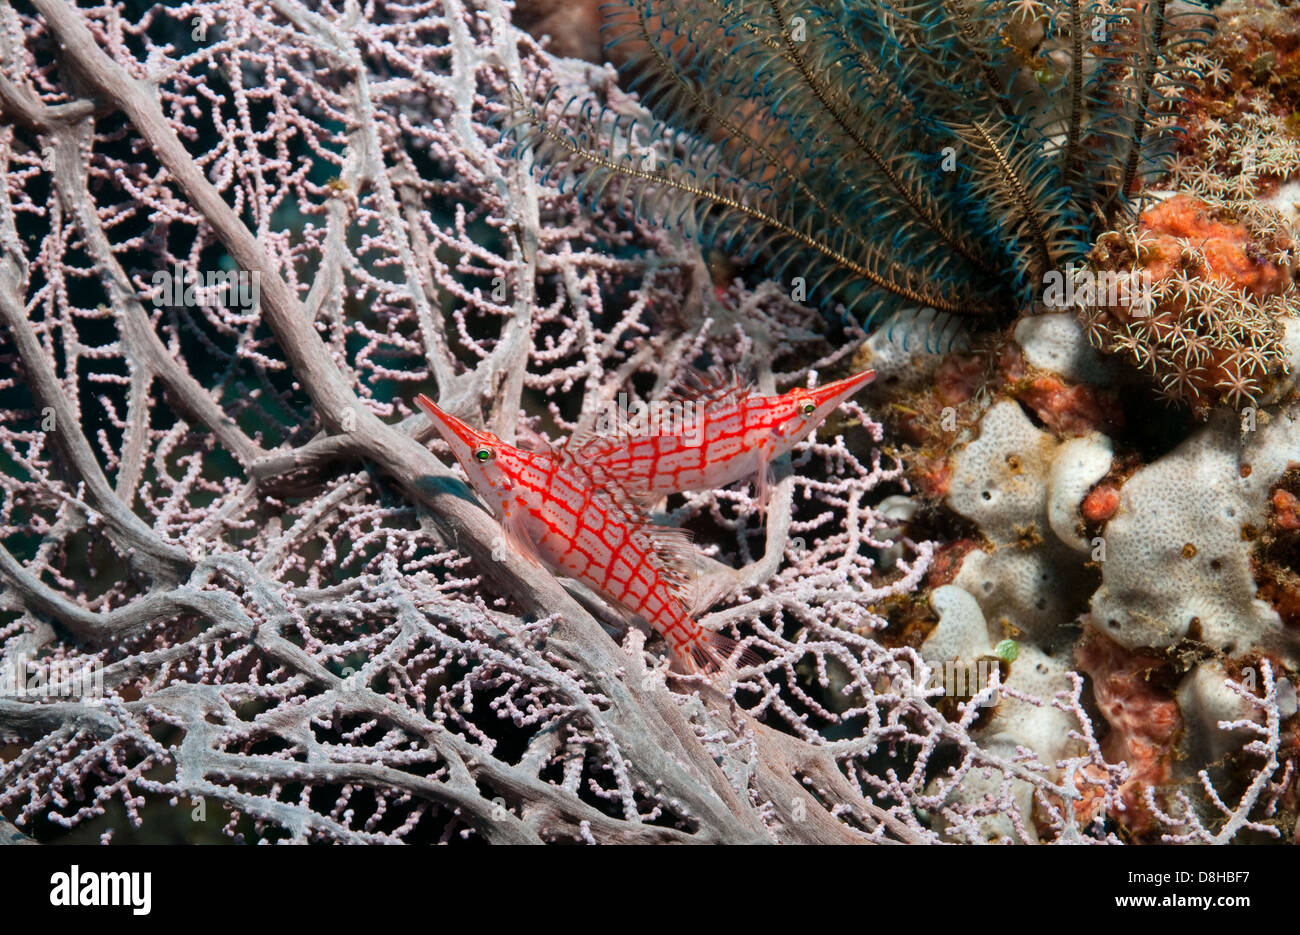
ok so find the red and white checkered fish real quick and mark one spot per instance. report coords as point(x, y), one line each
point(718, 435)
point(566, 516)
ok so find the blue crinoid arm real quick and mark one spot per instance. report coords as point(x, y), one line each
point(911, 153)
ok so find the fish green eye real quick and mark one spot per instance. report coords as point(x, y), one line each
point(809, 409)
point(483, 454)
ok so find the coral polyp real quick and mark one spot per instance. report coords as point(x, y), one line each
point(1209, 286)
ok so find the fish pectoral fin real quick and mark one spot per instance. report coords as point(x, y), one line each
point(764, 481)
point(644, 499)
point(675, 557)
point(518, 538)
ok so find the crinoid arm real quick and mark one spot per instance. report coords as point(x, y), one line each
point(887, 154)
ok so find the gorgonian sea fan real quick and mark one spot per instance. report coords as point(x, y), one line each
point(297, 625)
point(941, 153)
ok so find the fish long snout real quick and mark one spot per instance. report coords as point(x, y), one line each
point(841, 390)
point(452, 428)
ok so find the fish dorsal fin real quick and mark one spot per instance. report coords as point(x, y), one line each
point(594, 472)
point(596, 454)
point(701, 388)
point(708, 387)
point(669, 547)
point(589, 445)
point(533, 442)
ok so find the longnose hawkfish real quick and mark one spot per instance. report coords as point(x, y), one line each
point(565, 516)
point(722, 434)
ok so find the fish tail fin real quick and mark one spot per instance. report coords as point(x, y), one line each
point(713, 652)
